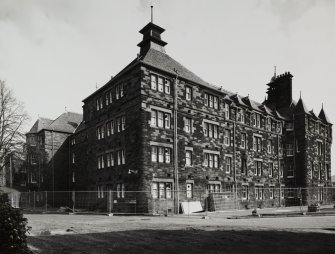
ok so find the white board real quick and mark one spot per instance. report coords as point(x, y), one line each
point(191, 207)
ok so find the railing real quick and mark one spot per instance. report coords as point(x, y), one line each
point(137, 202)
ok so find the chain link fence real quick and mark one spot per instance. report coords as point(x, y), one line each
point(137, 202)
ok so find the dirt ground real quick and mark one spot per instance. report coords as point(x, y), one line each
point(180, 234)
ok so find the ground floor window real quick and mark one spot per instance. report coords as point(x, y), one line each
point(245, 192)
point(259, 191)
point(100, 191)
point(272, 191)
point(212, 188)
point(320, 194)
point(120, 190)
point(161, 190)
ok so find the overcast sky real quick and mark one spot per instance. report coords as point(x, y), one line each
point(54, 53)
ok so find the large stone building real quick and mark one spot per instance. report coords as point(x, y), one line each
point(47, 152)
point(157, 127)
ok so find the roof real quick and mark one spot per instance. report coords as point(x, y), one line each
point(301, 108)
point(39, 125)
point(66, 122)
point(323, 116)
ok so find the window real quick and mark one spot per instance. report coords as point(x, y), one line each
point(297, 146)
point(160, 119)
point(160, 83)
point(110, 128)
point(189, 190)
point(317, 127)
point(279, 127)
point(327, 176)
point(167, 86)
point(290, 170)
point(272, 191)
point(227, 137)
point(211, 101)
point(109, 159)
point(100, 191)
point(226, 111)
point(160, 154)
point(289, 149)
point(259, 191)
point(281, 168)
point(211, 160)
point(100, 132)
point(320, 171)
point(120, 190)
point(118, 124)
point(99, 103)
point(213, 188)
point(73, 141)
point(107, 98)
point(243, 166)
point(154, 153)
point(270, 150)
point(271, 169)
point(153, 82)
point(123, 158)
point(243, 140)
point(282, 193)
point(161, 190)
point(73, 158)
point(320, 150)
point(241, 116)
point(123, 123)
point(211, 130)
point(188, 93)
point(289, 126)
point(73, 178)
point(258, 168)
point(245, 192)
point(101, 162)
point(268, 124)
point(228, 165)
point(258, 120)
point(280, 148)
point(188, 158)
point(257, 143)
point(187, 125)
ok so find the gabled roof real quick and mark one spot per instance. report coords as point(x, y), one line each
point(266, 109)
point(238, 100)
point(66, 122)
point(323, 116)
point(39, 125)
point(252, 104)
point(300, 108)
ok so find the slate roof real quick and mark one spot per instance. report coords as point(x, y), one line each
point(66, 122)
point(323, 116)
point(300, 108)
point(39, 125)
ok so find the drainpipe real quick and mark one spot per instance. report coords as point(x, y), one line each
point(234, 155)
point(175, 143)
point(279, 180)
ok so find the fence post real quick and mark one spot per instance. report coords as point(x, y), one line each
point(73, 200)
point(34, 199)
point(46, 201)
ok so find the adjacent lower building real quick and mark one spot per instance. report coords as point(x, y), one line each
point(47, 152)
point(158, 128)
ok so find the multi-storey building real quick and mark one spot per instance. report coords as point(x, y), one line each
point(157, 127)
point(47, 159)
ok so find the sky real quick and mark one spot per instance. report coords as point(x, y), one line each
point(53, 54)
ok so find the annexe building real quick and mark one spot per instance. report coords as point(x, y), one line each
point(157, 127)
point(47, 152)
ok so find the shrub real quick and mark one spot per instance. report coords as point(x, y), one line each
point(13, 228)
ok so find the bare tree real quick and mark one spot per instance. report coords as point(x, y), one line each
point(12, 119)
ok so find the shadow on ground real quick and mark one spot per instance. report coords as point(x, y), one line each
point(186, 241)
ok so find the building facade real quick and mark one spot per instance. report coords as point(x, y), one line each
point(47, 152)
point(157, 127)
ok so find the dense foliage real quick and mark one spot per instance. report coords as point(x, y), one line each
point(13, 229)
